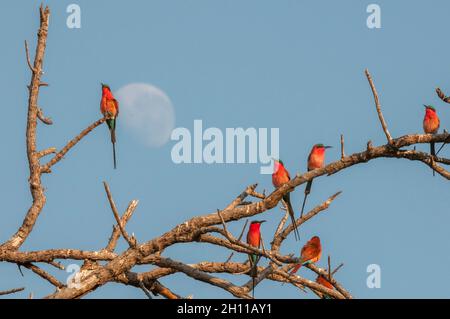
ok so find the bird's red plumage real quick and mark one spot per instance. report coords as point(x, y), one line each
point(254, 235)
point(280, 175)
point(431, 121)
point(108, 104)
point(311, 252)
point(316, 157)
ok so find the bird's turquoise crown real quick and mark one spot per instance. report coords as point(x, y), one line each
point(258, 221)
point(278, 160)
point(431, 107)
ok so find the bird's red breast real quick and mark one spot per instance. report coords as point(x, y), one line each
point(109, 105)
point(312, 250)
point(431, 121)
point(280, 175)
point(254, 235)
point(316, 158)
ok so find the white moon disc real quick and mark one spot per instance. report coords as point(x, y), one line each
point(147, 113)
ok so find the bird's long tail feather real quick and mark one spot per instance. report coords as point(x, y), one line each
point(290, 210)
point(112, 129)
point(440, 148)
point(433, 153)
point(307, 191)
point(114, 155)
point(253, 272)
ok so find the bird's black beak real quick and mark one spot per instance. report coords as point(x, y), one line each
point(262, 221)
point(327, 146)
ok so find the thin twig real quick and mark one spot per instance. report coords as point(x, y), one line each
point(131, 241)
point(329, 267)
point(342, 146)
point(116, 230)
point(239, 239)
point(45, 275)
point(11, 291)
point(40, 115)
point(442, 96)
point(28, 57)
point(337, 268)
point(47, 151)
point(72, 143)
point(378, 107)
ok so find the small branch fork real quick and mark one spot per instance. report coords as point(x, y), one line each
point(105, 265)
point(130, 240)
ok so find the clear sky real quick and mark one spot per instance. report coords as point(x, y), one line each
point(293, 65)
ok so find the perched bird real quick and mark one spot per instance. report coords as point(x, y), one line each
point(110, 110)
point(321, 280)
point(431, 124)
point(254, 239)
point(316, 160)
point(281, 176)
point(310, 253)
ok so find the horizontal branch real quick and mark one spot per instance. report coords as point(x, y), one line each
point(204, 277)
point(50, 255)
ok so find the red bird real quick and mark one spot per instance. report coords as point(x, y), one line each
point(316, 159)
point(110, 110)
point(321, 280)
point(431, 124)
point(254, 240)
point(310, 253)
point(281, 176)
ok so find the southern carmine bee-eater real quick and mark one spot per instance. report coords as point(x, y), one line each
point(310, 253)
point(281, 176)
point(316, 160)
point(254, 239)
point(324, 282)
point(110, 110)
point(431, 124)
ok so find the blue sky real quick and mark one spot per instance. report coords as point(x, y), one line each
point(293, 65)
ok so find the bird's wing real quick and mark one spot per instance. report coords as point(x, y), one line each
point(116, 104)
point(310, 251)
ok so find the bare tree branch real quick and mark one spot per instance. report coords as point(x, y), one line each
point(11, 291)
point(442, 96)
point(131, 241)
point(43, 274)
point(378, 106)
point(116, 230)
point(60, 155)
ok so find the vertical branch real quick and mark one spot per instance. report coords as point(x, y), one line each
point(378, 107)
point(37, 191)
point(342, 146)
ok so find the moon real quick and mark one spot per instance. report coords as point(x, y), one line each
point(147, 113)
